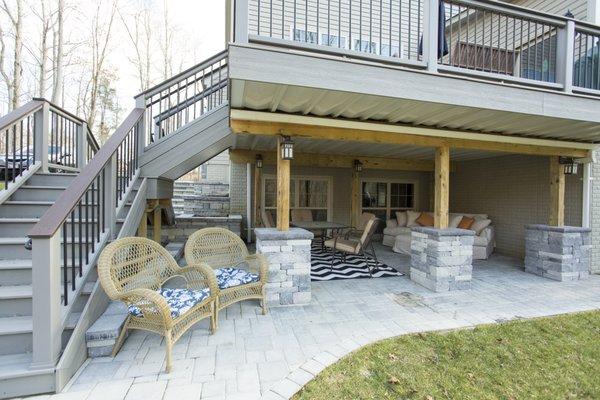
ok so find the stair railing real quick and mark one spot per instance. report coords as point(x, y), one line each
point(41, 135)
point(71, 234)
point(185, 97)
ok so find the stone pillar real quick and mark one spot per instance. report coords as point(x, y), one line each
point(561, 253)
point(288, 254)
point(441, 259)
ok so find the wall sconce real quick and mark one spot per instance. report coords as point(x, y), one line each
point(358, 166)
point(570, 166)
point(287, 148)
point(259, 161)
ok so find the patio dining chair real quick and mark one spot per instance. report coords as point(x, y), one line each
point(362, 247)
point(303, 215)
point(136, 270)
point(240, 275)
point(357, 231)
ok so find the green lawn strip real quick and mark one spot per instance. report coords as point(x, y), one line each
point(547, 358)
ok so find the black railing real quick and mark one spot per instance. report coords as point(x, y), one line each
point(586, 68)
point(17, 148)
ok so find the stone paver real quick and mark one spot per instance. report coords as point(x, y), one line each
point(274, 355)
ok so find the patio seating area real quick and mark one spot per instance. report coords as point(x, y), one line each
point(253, 355)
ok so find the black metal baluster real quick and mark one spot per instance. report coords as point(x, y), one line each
point(94, 214)
point(103, 197)
point(80, 229)
point(65, 266)
point(29, 155)
point(73, 250)
point(21, 150)
point(87, 223)
point(14, 149)
point(6, 158)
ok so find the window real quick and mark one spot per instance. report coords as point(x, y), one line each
point(333, 41)
point(310, 193)
point(385, 198)
point(395, 51)
point(365, 46)
point(301, 35)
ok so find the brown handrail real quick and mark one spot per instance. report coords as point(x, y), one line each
point(60, 109)
point(18, 113)
point(52, 220)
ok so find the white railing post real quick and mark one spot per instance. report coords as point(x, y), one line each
point(565, 58)
point(142, 125)
point(110, 195)
point(430, 34)
point(42, 135)
point(81, 145)
point(240, 34)
point(46, 301)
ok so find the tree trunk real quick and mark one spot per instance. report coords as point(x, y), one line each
point(59, 53)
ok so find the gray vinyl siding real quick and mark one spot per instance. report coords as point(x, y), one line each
point(557, 7)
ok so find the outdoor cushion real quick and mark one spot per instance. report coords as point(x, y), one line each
point(480, 241)
point(411, 217)
point(425, 220)
point(391, 223)
point(349, 246)
point(401, 218)
point(179, 300)
point(397, 231)
point(479, 225)
point(230, 277)
point(466, 222)
point(455, 220)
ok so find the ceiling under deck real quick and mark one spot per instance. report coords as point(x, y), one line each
point(329, 103)
point(304, 145)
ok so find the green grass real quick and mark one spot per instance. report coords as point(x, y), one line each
point(549, 358)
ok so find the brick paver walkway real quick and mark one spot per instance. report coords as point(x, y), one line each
point(274, 355)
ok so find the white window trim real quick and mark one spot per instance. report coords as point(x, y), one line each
point(295, 179)
point(388, 199)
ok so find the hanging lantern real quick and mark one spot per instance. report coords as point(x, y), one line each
point(287, 148)
point(358, 166)
point(570, 166)
point(259, 161)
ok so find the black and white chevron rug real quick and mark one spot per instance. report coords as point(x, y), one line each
point(354, 267)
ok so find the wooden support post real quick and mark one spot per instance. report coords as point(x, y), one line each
point(257, 196)
point(355, 199)
point(442, 184)
point(143, 228)
point(557, 193)
point(156, 223)
point(283, 190)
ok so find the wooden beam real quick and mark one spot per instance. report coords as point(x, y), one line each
point(557, 193)
point(334, 161)
point(325, 129)
point(283, 190)
point(355, 198)
point(257, 196)
point(156, 224)
point(442, 186)
point(143, 227)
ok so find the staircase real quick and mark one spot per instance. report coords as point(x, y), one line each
point(57, 212)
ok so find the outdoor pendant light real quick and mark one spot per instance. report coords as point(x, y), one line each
point(287, 148)
point(358, 166)
point(570, 166)
point(259, 161)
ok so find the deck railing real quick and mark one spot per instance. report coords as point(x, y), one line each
point(481, 38)
point(42, 135)
point(185, 97)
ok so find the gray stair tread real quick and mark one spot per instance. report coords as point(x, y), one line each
point(15, 292)
point(10, 220)
point(15, 325)
point(43, 187)
point(72, 320)
point(88, 287)
point(15, 264)
point(23, 240)
point(73, 174)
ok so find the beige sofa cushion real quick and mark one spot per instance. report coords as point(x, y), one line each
point(401, 218)
point(480, 241)
point(454, 220)
point(411, 218)
point(397, 230)
point(348, 246)
point(479, 225)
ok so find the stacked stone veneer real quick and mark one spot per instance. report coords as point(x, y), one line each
point(185, 225)
point(441, 259)
point(288, 254)
point(560, 253)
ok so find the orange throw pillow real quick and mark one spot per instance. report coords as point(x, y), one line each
point(424, 219)
point(465, 223)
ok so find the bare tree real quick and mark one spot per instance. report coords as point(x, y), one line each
point(100, 38)
point(13, 83)
point(166, 43)
point(58, 68)
point(46, 19)
point(140, 35)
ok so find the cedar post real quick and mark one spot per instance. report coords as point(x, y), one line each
point(557, 192)
point(442, 180)
point(283, 190)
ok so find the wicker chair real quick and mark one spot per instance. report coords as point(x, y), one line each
point(240, 275)
point(134, 270)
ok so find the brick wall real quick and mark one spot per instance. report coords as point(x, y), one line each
point(514, 191)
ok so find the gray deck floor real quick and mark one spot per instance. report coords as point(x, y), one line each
point(253, 355)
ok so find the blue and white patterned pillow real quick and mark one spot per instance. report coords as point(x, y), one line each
point(230, 277)
point(179, 300)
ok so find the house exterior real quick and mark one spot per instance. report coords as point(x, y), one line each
point(477, 107)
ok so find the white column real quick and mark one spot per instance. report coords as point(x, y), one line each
point(241, 21)
point(249, 222)
point(46, 307)
point(430, 34)
point(81, 145)
point(564, 56)
point(586, 196)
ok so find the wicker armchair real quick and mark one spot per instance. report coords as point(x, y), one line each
point(134, 270)
point(240, 275)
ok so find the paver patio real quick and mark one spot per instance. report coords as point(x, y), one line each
point(272, 356)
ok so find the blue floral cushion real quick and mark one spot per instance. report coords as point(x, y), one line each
point(230, 277)
point(179, 300)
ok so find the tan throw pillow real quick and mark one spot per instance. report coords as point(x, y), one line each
point(454, 221)
point(425, 219)
point(479, 225)
point(465, 223)
point(411, 218)
point(401, 218)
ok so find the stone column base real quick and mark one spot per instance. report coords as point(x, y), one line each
point(288, 254)
point(561, 253)
point(441, 259)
